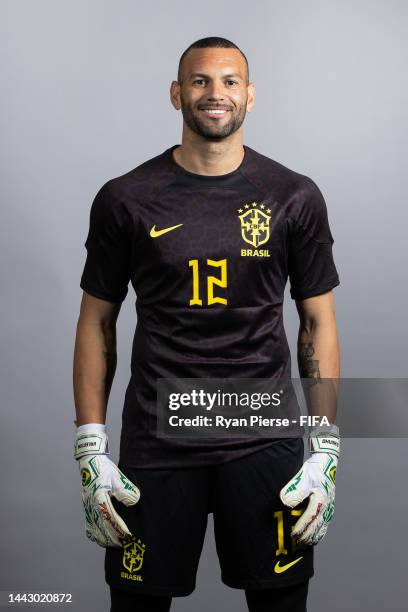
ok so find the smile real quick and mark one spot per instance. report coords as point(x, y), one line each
point(215, 112)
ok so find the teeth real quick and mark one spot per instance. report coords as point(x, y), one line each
point(215, 112)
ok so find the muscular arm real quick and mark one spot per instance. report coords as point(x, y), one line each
point(95, 358)
point(319, 353)
point(318, 357)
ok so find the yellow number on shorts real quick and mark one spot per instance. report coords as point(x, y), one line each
point(282, 550)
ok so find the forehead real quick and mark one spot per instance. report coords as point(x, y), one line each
point(214, 60)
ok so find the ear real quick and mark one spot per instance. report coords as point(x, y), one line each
point(251, 97)
point(175, 94)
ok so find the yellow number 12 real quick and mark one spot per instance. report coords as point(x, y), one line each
point(211, 282)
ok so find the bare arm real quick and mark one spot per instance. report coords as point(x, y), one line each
point(319, 367)
point(95, 358)
point(319, 353)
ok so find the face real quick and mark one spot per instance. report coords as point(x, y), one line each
point(213, 95)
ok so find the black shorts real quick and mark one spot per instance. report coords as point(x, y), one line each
point(252, 526)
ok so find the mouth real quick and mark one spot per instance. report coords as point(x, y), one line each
point(214, 112)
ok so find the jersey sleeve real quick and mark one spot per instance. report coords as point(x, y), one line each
point(106, 273)
point(311, 265)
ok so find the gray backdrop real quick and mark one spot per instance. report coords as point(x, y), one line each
point(85, 98)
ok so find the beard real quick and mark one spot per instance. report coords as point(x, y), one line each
point(211, 130)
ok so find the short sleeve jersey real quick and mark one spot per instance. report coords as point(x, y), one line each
point(208, 258)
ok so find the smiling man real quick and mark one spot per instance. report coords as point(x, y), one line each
point(208, 232)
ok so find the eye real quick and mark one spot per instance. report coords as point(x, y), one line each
point(199, 81)
point(231, 82)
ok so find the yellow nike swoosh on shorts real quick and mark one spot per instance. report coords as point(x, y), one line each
point(155, 233)
point(278, 569)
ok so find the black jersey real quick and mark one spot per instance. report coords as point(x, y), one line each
point(208, 258)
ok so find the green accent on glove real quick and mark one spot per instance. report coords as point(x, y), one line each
point(294, 485)
point(126, 483)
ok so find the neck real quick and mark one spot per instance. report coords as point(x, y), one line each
point(211, 158)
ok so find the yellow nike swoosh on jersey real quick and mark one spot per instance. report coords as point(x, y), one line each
point(155, 233)
point(282, 568)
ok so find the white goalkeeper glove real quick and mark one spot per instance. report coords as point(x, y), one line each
point(101, 479)
point(316, 479)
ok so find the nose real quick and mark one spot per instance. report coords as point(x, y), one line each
point(215, 91)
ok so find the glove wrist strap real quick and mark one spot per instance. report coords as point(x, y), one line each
point(95, 443)
point(325, 440)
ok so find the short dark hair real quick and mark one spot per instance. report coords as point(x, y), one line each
point(211, 42)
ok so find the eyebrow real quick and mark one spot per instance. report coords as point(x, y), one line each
point(206, 76)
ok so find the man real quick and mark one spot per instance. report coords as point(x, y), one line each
point(208, 233)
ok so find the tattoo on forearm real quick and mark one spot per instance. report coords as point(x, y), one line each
point(309, 367)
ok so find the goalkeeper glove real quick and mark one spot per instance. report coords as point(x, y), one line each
point(316, 480)
point(102, 479)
